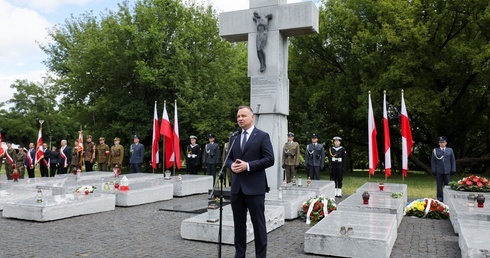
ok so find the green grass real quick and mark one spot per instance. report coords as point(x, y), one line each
point(419, 184)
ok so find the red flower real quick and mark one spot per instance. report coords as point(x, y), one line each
point(479, 184)
point(321, 213)
point(316, 207)
point(485, 181)
point(469, 182)
point(476, 179)
point(461, 182)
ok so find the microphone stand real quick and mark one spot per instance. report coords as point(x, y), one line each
point(221, 180)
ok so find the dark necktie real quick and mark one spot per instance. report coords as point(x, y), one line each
point(444, 151)
point(244, 139)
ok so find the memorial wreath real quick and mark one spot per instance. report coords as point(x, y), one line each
point(313, 209)
point(82, 189)
point(427, 208)
point(471, 184)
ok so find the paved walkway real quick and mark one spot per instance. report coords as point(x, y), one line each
point(145, 231)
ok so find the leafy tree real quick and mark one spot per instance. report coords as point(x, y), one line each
point(112, 69)
point(437, 51)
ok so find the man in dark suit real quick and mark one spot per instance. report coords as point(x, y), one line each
point(137, 152)
point(65, 158)
point(211, 157)
point(44, 161)
point(251, 154)
point(443, 164)
point(30, 161)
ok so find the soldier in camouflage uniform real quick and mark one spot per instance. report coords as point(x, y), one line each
point(20, 159)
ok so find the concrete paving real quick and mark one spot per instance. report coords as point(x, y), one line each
point(146, 231)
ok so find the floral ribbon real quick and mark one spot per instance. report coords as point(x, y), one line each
point(427, 209)
point(310, 209)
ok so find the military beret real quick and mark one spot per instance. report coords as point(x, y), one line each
point(314, 135)
point(290, 134)
point(193, 137)
point(101, 138)
point(137, 136)
point(211, 136)
point(337, 138)
point(442, 138)
point(117, 139)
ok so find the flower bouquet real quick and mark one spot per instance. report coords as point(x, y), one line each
point(313, 209)
point(471, 184)
point(85, 189)
point(427, 208)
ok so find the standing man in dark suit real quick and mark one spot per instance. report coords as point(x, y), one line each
point(44, 161)
point(137, 152)
point(31, 160)
point(314, 158)
point(251, 154)
point(443, 164)
point(65, 158)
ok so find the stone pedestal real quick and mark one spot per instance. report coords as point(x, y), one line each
point(197, 228)
point(373, 188)
point(318, 187)
point(58, 207)
point(14, 195)
point(460, 210)
point(378, 203)
point(191, 184)
point(473, 238)
point(144, 192)
point(292, 200)
point(374, 235)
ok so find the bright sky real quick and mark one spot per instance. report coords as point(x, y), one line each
point(24, 24)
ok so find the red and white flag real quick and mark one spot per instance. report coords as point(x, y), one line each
point(39, 146)
point(80, 141)
point(155, 159)
point(176, 139)
point(407, 141)
point(373, 147)
point(166, 131)
point(386, 131)
point(2, 151)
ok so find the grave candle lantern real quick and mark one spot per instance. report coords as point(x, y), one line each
point(480, 199)
point(124, 186)
point(471, 200)
point(365, 198)
point(15, 175)
point(381, 186)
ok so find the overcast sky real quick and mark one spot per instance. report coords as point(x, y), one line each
point(24, 24)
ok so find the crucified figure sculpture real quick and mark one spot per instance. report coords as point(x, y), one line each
point(261, 39)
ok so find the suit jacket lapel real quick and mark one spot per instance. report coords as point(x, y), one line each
point(250, 139)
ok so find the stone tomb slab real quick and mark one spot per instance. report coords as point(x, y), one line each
point(378, 203)
point(197, 228)
point(292, 200)
point(13, 195)
point(472, 239)
point(319, 187)
point(450, 193)
point(58, 207)
point(460, 210)
point(144, 192)
point(373, 188)
point(374, 235)
point(191, 184)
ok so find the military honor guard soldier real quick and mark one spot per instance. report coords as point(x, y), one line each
point(9, 167)
point(137, 152)
point(193, 156)
point(20, 160)
point(337, 156)
point(315, 158)
point(443, 165)
point(89, 154)
point(117, 154)
point(211, 156)
point(102, 154)
point(226, 148)
point(290, 157)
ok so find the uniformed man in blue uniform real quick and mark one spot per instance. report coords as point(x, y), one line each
point(314, 158)
point(211, 156)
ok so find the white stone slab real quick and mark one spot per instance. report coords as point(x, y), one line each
point(144, 192)
point(378, 203)
point(57, 207)
point(373, 188)
point(13, 195)
point(196, 228)
point(473, 241)
point(374, 235)
point(460, 210)
point(450, 193)
point(191, 184)
point(319, 187)
point(292, 200)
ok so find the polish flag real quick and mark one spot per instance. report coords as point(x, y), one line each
point(80, 141)
point(39, 147)
point(155, 159)
point(176, 139)
point(386, 131)
point(407, 141)
point(166, 131)
point(2, 151)
point(373, 147)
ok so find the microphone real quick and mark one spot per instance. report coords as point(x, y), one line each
point(237, 132)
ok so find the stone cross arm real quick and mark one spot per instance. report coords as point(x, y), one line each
point(290, 19)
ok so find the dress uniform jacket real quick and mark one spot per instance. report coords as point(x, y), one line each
point(211, 153)
point(290, 154)
point(117, 155)
point(315, 155)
